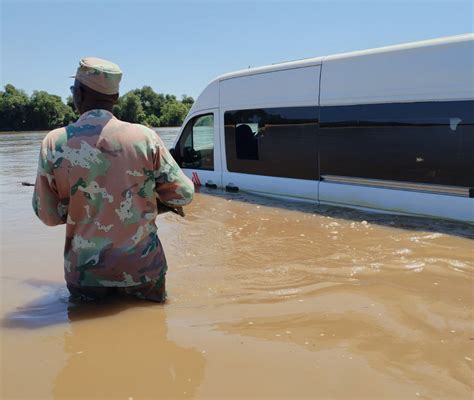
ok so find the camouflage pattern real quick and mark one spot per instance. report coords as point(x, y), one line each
point(102, 177)
point(100, 75)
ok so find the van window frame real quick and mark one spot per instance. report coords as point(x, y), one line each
point(177, 149)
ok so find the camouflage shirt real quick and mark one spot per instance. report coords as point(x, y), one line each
point(101, 177)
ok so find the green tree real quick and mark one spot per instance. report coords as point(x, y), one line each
point(187, 100)
point(14, 105)
point(152, 120)
point(153, 109)
point(152, 102)
point(129, 108)
point(47, 111)
point(173, 114)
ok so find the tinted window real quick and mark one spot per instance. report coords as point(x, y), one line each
point(195, 148)
point(426, 142)
point(278, 142)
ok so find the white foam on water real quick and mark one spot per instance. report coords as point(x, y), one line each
point(402, 251)
point(415, 266)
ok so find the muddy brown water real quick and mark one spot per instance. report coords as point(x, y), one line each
point(267, 299)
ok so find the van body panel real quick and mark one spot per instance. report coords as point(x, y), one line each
point(346, 56)
point(438, 70)
point(280, 66)
point(289, 87)
point(407, 202)
point(209, 98)
point(272, 186)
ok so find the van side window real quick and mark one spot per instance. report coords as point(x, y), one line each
point(279, 142)
point(422, 142)
point(195, 148)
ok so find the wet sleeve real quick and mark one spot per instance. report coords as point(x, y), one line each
point(46, 202)
point(173, 187)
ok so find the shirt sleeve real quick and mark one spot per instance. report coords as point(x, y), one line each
point(173, 187)
point(46, 203)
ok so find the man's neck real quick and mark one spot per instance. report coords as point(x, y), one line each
point(97, 106)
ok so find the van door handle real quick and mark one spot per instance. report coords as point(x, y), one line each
point(231, 188)
point(211, 185)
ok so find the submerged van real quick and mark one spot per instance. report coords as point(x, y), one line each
point(388, 130)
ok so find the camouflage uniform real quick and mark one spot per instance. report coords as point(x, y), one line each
point(101, 177)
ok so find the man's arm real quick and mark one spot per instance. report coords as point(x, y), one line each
point(46, 202)
point(173, 187)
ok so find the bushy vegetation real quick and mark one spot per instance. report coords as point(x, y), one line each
point(41, 110)
point(44, 111)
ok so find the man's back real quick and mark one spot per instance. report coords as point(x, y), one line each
point(102, 177)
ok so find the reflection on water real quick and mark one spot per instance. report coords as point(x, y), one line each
point(129, 357)
point(49, 309)
point(117, 347)
point(267, 299)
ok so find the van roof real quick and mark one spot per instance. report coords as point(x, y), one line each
point(319, 60)
point(385, 74)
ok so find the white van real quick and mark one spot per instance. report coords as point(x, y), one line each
point(388, 130)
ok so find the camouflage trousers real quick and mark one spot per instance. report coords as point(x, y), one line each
point(152, 291)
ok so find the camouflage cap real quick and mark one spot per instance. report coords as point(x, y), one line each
point(100, 75)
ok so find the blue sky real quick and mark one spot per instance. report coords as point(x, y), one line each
point(178, 46)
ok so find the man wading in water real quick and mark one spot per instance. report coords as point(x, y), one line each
point(102, 177)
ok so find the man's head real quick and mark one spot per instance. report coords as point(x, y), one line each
point(96, 84)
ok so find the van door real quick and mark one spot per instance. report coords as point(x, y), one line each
point(270, 132)
point(197, 149)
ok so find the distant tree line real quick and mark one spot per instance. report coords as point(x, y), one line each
point(145, 106)
point(44, 111)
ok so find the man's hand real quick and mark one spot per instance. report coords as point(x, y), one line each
point(180, 211)
point(163, 208)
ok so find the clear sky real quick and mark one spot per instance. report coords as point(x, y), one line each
point(178, 46)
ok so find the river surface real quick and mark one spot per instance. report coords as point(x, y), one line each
point(267, 299)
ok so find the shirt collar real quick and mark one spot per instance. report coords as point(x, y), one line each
point(96, 113)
